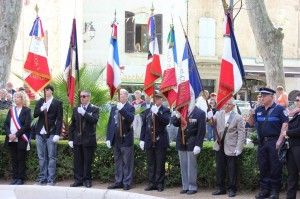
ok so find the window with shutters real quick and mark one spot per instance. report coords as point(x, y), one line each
point(136, 34)
point(207, 37)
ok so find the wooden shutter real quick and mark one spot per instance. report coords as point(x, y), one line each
point(159, 30)
point(129, 32)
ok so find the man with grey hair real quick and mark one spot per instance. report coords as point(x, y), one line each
point(231, 130)
point(4, 103)
point(120, 137)
point(82, 139)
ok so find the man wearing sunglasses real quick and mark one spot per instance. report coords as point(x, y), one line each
point(120, 137)
point(82, 138)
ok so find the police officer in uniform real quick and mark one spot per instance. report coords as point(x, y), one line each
point(189, 147)
point(272, 120)
point(155, 142)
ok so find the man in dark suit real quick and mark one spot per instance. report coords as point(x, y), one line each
point(190, 146)
point(82, 138)
point(48, 129)
point(156, 142)
point(120, 137)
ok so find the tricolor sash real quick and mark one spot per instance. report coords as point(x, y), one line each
point(17, 123)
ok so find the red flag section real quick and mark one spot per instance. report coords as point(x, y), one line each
point(36, 70)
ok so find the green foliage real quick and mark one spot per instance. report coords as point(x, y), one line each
point(103, 166)
point(3, 114)
point(89, 80)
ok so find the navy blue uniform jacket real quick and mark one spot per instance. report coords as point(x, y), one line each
point(162, 119)
point(113, 128)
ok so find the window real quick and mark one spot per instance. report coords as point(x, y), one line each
point(209, 85)
point(207, 37)
point(136, 38)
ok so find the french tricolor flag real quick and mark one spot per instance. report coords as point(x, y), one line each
point(72, 65)
point(232, 70)
point(113, 73)
point(36, 70)
point(153, 69)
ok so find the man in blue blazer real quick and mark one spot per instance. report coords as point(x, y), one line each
point(120, 137)
point(156, 142)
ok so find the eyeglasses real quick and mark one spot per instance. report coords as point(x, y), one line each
point(83, 96)
point(297, 100)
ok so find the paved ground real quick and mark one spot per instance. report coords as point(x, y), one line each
point(169, 193)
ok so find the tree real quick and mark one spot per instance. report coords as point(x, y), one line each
point(10, 19)
point(268, 40)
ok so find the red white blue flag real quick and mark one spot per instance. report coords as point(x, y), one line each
point(72, 65)
point(190, 84)
point(232, 70)
point(36, 70)
point(153, 69)
point(168, 86)
point(113, 74)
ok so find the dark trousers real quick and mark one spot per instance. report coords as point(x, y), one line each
point(269, 166)
point(230, 162)
point(83, 159)
point(293, 165)
point(156, 159)
point(18, 157)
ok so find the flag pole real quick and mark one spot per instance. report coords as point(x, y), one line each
point(120, 116)
point(45, 111)
point(154, 120)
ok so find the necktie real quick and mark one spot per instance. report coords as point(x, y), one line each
point(84, 107)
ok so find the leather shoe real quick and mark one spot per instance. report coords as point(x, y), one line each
point(150, 187)
point(274, 195)
point(88, 184)
point(13, 181)
point(115, 186)
point(219, 192)
point(76, 184)
point(160, 189)
point(190, 192)
point(126, 187)
point(19, 182)
point(231, 193)
point(183, 191)
point(263, 194)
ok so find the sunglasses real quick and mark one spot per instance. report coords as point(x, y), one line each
point(297, 100)
point(83, 96)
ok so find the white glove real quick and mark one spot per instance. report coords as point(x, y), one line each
point(210, 114)
point(154, 109)
point(177, 114)
point(196, 150)
point(119, 105)
point(108, 144)
point(44, 106)
point(237, 152)
point(81, 111)
point(71, 144)
point(55, 138)
point(142, 145)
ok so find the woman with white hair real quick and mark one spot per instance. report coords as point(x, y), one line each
point(137, 122)
point(17, 129)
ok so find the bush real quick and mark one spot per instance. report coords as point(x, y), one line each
point(103, 166)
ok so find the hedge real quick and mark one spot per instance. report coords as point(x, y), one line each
point(103, 166)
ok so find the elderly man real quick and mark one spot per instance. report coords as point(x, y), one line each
point(272, 120)
point(83, 139)
point(189, 146)
point(231, 130)
point(156, 142)
point(120, 137)
point(4, 103)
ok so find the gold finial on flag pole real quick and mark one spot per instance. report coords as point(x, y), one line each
point(36, 9)
point(152, 9)
point(115, 14)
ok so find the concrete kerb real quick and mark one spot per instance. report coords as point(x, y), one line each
point(48, 192)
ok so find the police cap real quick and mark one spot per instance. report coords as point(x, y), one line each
point(157, 94)
point(267, 91)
